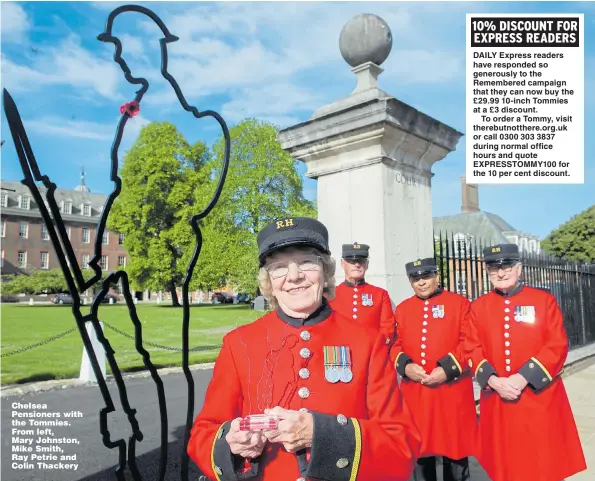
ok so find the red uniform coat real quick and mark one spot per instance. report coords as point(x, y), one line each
point(432, 333)
point(535, 437)
point(362, 430)
point(365, 304)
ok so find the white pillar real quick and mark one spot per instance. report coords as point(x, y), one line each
point(372, 156)
point(87, 374)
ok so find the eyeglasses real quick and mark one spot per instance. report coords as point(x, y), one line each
point(362, 261)
point(306, 263)
point(506, 268)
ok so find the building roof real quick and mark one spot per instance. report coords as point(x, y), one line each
point(78, 198)
point(82, 187)
point(481, 225)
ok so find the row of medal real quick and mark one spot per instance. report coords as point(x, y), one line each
point(337, 364)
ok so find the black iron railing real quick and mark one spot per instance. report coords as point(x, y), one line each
point(461, 270)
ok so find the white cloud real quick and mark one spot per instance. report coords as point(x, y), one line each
point(15, 22)
point(18, 78)
point(132, 130)
point(258, 54)
point(271, 102)
point(131, 45)
point(84, 129)
point(66, 64)
point(107, 5)
point(60, 127)
point(423, 66)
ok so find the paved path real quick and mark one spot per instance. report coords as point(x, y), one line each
point(96, 463)
point(581, 392)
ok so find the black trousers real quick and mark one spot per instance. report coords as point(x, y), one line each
point(452, 469)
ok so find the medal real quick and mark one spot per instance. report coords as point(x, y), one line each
point(367, 300)
point(337, 364)
point(346, 375)
point(345, 359)
point(524, 314)
point(331, 373)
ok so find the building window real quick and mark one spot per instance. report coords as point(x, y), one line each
point(87, 210)
point(121, 239)
point(103, 263)
point(121, 261)
point(85, 260)
point(86, 235)
point(44, 260)
point(2, 259)
point(23, 230)
point(24, 202)
point(4, 200)
point(2, 228)
point(22, 258)
point(105, 238)
point(66, 207)
point(44, 232)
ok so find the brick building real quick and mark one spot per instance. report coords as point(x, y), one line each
point(26, 242)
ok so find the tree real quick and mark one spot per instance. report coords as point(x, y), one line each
point(49, 282)
point(574, 240)
point(161, 175)
point(17, 284)
point(38, 281)
point(262, 186)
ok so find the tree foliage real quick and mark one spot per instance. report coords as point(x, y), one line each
point(262, 185)
point(37, 281)
point(165, 181)
point(574, 240)
point(160, 176)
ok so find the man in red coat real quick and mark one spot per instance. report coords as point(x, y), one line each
point(526, 428)
point(356, 299)
point(429, 353)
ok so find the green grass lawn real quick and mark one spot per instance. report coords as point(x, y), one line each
point(23, 325)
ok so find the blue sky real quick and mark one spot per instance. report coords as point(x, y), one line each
point(273, 61)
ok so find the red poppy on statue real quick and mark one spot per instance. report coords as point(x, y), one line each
point(130, 108)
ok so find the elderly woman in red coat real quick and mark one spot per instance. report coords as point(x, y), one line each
point(333, 406)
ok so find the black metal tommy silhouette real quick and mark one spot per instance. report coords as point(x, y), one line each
point(73, 273)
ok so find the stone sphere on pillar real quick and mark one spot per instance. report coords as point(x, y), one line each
point(365, 38)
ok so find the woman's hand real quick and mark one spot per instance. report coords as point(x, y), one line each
point(295, 429)
point(248, 444)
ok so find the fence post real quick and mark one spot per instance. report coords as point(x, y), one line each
point(87, 374)
point(582, 307)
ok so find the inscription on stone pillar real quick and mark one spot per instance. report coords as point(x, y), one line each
point(407, 179)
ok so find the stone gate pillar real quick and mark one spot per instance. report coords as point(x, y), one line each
point(372, 157)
